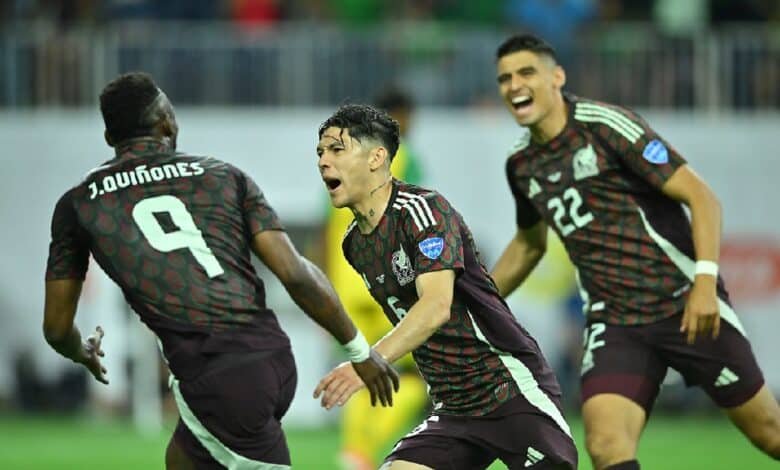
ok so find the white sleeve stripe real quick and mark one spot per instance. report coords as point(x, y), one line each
point(612, 118)
point(420, 213)
point(615, 114)
point(424, 203)
point(609, 122)
point(411, 211)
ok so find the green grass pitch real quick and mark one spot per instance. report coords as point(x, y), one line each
point(50, 443)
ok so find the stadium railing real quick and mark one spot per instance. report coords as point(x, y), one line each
point(300, 64)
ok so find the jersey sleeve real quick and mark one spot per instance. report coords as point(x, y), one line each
point(640, 148)
point(526, 215)
point(433, 231)
point(258, 213)
point(69, 247)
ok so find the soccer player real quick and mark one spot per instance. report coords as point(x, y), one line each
point(175, 232)
point(612, 189)
point(493, 394)
point(367, 431)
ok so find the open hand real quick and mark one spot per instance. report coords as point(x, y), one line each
point(349, 377)
point(91, 354)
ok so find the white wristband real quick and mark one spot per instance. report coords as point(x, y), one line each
point(707, 267)
point(358, 349)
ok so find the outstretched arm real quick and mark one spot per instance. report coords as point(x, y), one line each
point(431, 311)
point(62, 297)
point(520, 257)
point(701, 314)
point(314, 294)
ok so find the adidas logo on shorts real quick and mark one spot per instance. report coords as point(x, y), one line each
point(726, 377)
point(533, 457)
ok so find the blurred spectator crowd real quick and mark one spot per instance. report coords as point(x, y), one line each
point(545, 14)
point(706, 54)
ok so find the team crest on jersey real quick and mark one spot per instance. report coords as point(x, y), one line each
point(586, 163)
point(655, 152)
point(402, 267)
point(432, 247)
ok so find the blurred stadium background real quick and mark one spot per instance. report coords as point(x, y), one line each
point(252, 80)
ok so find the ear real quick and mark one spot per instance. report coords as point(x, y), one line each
point(164, 127)
point(108, 138)
point(559, 77)
point(377, 158)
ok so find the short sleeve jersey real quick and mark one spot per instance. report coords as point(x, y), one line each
point(481, 356)
point(598, 185)
point(173, 231)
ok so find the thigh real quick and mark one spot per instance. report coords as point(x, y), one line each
point(233, 409)
point(439, 442)
point(724, 367)
point(618, 360)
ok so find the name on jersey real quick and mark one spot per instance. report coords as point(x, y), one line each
point(143, 175)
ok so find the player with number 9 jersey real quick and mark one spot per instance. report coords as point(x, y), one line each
point(170, 230)
point(176, 232)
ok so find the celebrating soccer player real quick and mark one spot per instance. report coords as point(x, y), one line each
point(494, 396)
point(612, 189)
point(175, 232)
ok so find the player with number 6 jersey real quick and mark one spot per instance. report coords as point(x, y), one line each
point(613, 191)
point(494, 396)
point(176, 233)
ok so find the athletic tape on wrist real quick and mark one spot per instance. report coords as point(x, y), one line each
point(358, 349)
point(707, 267)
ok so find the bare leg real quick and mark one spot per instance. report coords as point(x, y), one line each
point(759, 420)
point(403, 465)
point(613, 424)
point(176, 459)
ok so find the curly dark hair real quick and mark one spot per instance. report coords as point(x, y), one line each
point(526, 42)
point(364, 121)
point(124, 102)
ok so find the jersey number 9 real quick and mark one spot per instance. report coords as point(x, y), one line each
point(188, 236)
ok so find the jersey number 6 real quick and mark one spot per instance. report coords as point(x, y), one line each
point(188, 236)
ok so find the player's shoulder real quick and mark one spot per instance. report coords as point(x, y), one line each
point(595, 116)
point(420, 205)
point(520, 145)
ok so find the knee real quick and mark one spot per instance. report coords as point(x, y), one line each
point(609, 447)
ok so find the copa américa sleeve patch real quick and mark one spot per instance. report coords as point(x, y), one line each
point(655, 152)
point(432, 247)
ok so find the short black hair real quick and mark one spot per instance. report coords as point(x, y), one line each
point(123, 103)
point(526, 42)
point(365, 121)
point(392, 99)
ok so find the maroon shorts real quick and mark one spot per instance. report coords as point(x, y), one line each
point(521, 440)
point(632, 361)
point(231, 412)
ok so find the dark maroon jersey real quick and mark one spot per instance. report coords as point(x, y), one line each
point(173, 231)
point(481, 357)
point(598, 185)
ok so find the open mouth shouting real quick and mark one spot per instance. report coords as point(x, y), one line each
point(332, 184)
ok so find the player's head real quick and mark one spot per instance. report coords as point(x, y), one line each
point(133, 106)
point(399, 105)
point(529, 78)
point(356, 146)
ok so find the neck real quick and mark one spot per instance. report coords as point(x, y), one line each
point(124, 145)
point(369, 211)
point(552, 124)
